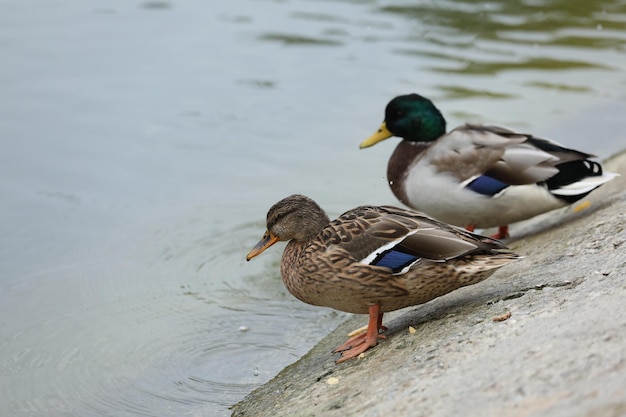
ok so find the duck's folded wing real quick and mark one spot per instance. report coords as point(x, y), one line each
point(472, 151)
point(397, 239)
point(488, 159)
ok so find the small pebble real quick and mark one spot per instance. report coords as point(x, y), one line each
point(332, 381)
point(582, 206)
point(357, 331)
point(502, 317)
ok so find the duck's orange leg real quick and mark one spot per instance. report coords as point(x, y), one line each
point(363, 341)
point(503, 233)
point(359, 335)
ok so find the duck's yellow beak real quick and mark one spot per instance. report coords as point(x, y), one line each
point(382, 134)
point(266, 241)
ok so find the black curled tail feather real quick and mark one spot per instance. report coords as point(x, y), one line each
point(571, 172)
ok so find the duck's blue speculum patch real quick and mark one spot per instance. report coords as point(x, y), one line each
point(394, 260)
point(486, 185)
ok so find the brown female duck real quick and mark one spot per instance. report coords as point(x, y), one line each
point(374, 259)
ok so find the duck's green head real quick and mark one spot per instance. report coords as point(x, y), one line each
point(411, 117)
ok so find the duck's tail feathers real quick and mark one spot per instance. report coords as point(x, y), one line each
point(576, 179)
point(582, 188)
point(483, 263)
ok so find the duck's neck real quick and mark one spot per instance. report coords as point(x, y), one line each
point(402, 160)
point(289, 268)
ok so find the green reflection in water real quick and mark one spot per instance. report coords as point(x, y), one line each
point(156, 5)
point(322, 17)
point(297, 40)
point(544, 64)
point(459, 28)
point(455, 92)
point(488, 19)
point(559, 87)
point(258, 83)
point(585, 42)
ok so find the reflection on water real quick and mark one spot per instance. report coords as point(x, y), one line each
point(297, 40)
point(494, 37)
point(134, 183)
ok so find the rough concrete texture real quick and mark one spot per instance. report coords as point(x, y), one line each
point(562, 352)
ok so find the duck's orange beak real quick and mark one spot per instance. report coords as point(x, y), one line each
point(266, 241)
point(381, 134)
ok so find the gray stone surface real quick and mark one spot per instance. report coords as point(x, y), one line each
point(562, 352)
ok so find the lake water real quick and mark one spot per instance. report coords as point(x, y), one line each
point(143, 142)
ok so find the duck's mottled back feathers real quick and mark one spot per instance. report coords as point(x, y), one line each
point(396, 238)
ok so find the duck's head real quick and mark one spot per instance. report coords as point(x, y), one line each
point(411, 117)
point(296, 217)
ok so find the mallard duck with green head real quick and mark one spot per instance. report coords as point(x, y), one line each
point(479, 176)
point(374, 259)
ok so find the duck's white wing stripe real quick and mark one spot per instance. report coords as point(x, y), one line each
point(398, 261)
point(370, 258)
